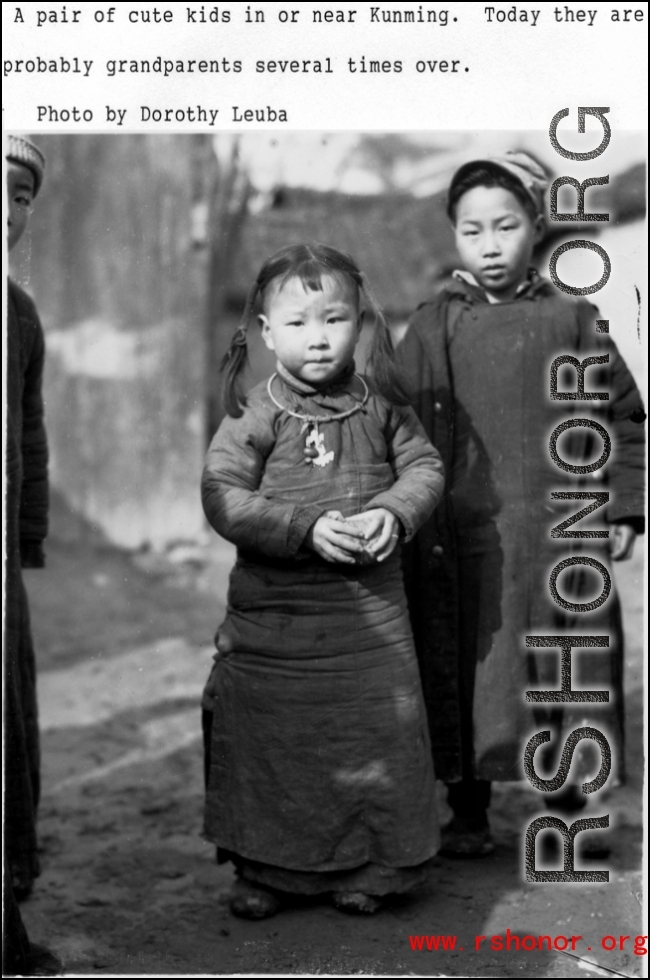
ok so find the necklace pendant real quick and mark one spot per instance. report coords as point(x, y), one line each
point(315, 451)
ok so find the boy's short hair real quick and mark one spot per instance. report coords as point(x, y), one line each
point(516, 172)
point(27, 154)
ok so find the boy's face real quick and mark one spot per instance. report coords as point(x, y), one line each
point(20, 194)
point(495, 237)
point(313, 331)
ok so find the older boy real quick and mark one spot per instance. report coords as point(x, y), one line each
point(477, 360)
point(26, 508)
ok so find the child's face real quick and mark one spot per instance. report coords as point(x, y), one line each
point(20, 194)
point(313, 331)
point(495, 237)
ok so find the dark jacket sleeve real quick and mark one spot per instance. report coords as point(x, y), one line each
point(422, 356)
point(34, 497)
point(418, 470)
point(230, 488)
point(415, 367)
point(623, 417)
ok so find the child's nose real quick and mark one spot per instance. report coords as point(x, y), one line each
point(318, 336)
point(490, 244)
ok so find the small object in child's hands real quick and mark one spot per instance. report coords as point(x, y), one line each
point(365, 524)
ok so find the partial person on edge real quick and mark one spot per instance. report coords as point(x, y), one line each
point(26, 509)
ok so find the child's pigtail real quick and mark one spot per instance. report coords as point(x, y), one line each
point(236, 359)
point(382, 366)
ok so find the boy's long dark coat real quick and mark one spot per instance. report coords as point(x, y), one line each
point(26, 524)
point(551, 325)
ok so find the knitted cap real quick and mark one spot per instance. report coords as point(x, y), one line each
point(518, 164)
point(23, 151)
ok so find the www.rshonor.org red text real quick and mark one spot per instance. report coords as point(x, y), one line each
point(512, 942)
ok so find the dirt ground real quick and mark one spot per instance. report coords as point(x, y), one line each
point(128, 885)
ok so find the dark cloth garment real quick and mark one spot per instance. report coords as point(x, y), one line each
point(319, 752)
point(477, 574)
point(375, 879)
point(372, 879)
point(20, 957)
point(27, 443)
point(470, 799)
point(15, 942)
point(21, 750)
point(26, 507)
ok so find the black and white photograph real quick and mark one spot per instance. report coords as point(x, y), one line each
point(324, 621)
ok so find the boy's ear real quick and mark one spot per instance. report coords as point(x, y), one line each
point(266, 331)
point(360, 320)
point(539, 229)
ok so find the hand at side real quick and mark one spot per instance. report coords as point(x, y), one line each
point(621, 542)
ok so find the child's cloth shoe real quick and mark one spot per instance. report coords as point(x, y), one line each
point(250, 901)
point(462, 838)
point(357, 903)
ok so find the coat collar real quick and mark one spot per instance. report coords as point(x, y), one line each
point(333, 387)
point(465, 285)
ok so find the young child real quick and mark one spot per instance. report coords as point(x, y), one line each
point(477, 361)
point(26, 506)
point(319, 774)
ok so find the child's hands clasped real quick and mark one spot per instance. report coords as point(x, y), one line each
point(382, 531)
point(334, 539)
point(363, 538)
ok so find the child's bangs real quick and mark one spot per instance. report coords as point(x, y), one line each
point(311, 274)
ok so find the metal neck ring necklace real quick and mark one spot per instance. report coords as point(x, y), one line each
point(314, 448)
